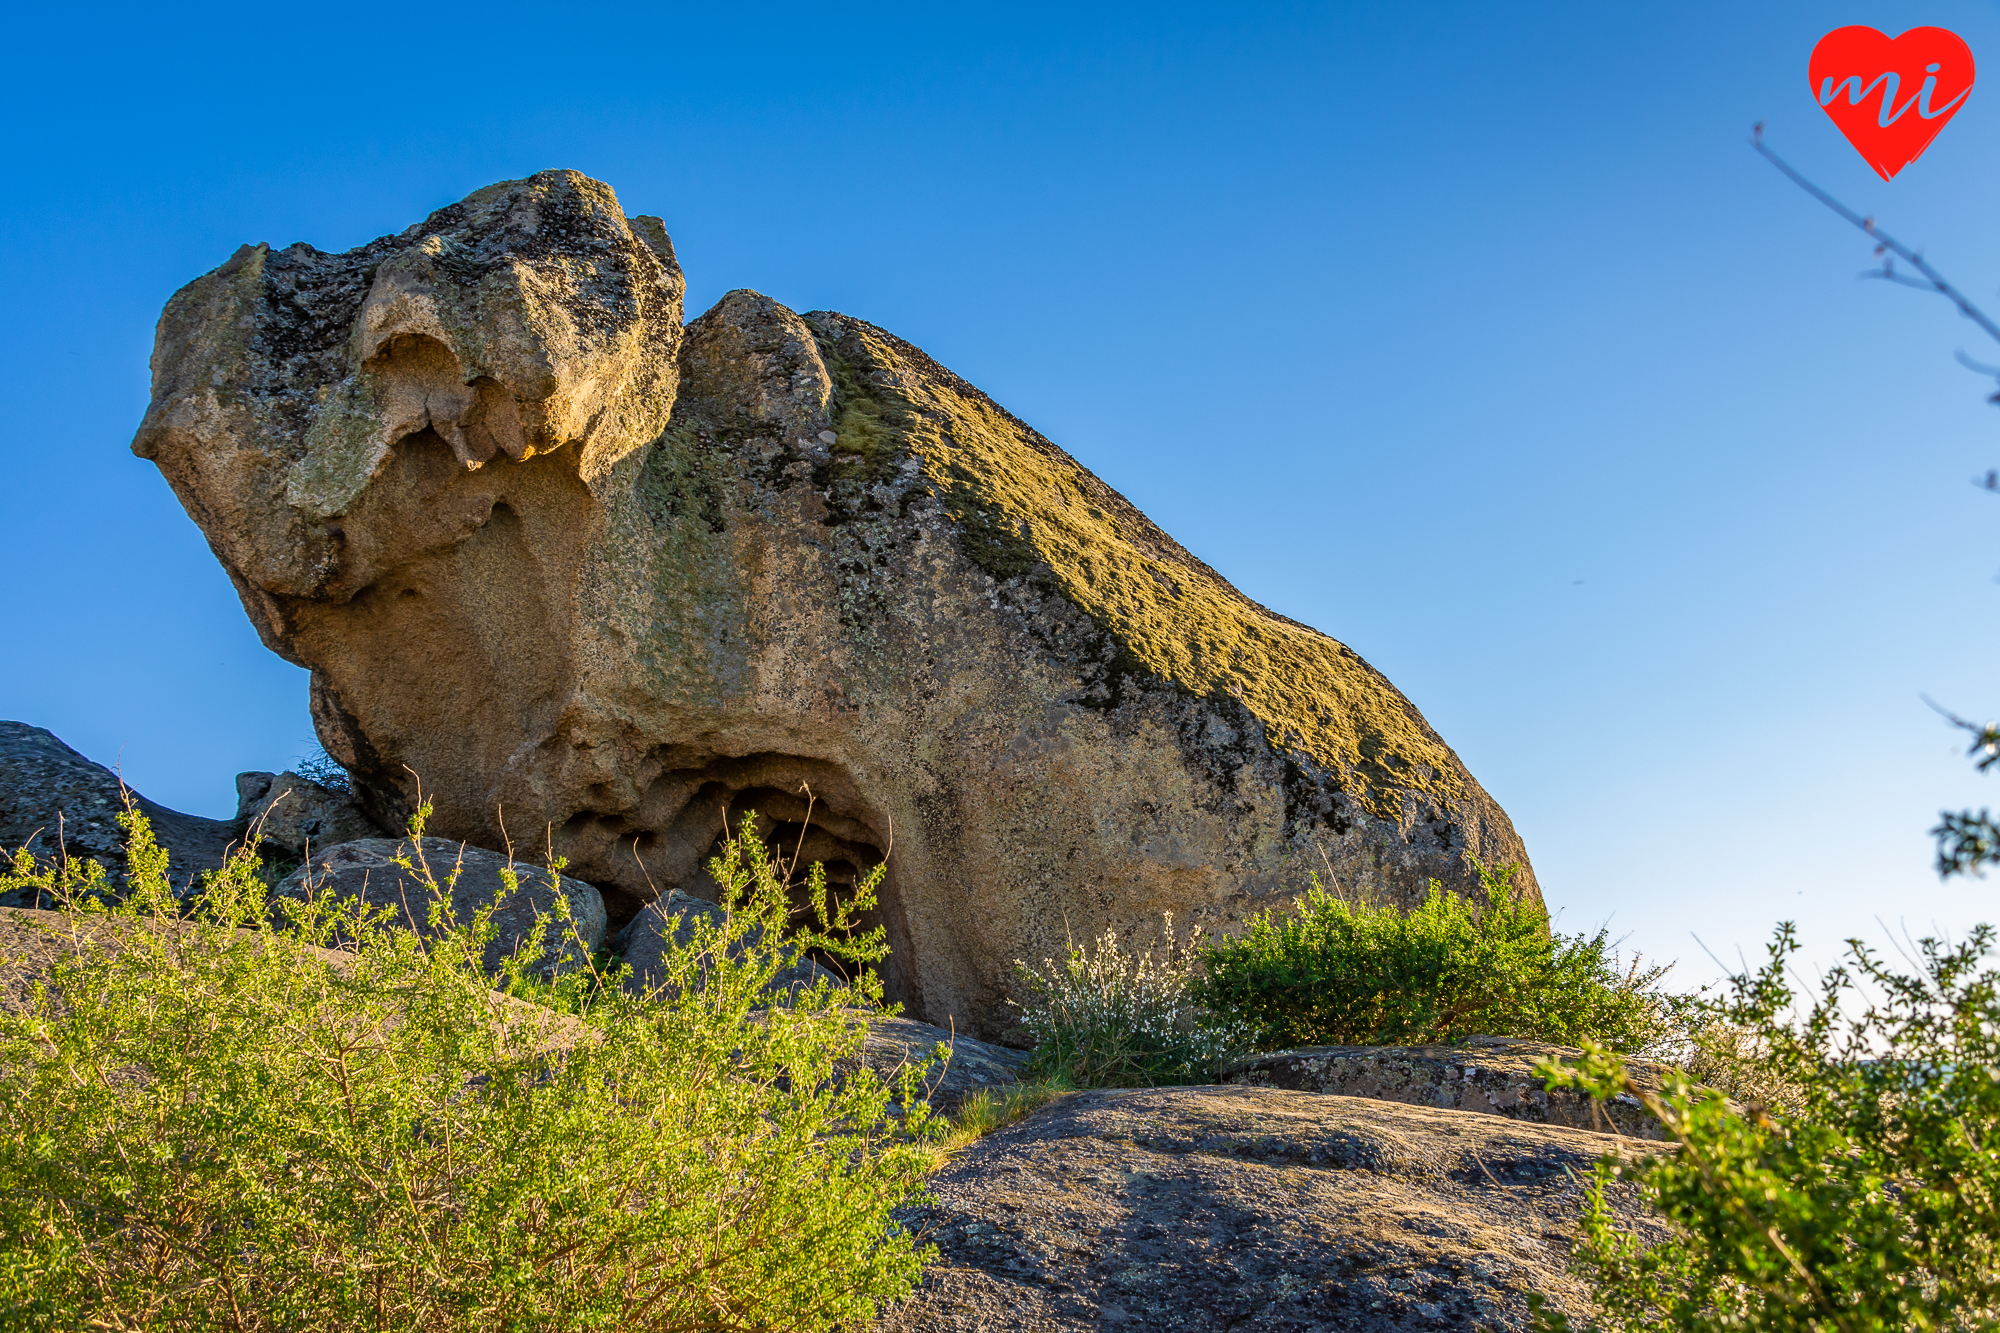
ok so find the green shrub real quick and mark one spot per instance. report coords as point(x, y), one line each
point(1336, 973)
point(1106, 1018)
point(208, 1123)
point(1712, 1051)
point(1870, 1204)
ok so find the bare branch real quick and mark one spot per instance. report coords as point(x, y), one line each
point(1985, 736)
point(1890, 275)
point(1935, 281)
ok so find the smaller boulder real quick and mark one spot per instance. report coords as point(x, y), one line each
point(367, 869)
point(964, 1064)
point(669, 922)
point(292, 814)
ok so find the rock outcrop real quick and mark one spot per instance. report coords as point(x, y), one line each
point(669, 923)
point(1488, 1075)
point(34, 941)
point(1252, 1209)
point(53, 800)
point(954, 1065)
point(292, 815)
point(582, 571)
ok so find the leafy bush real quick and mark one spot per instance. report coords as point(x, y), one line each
point(1712, 1051)
point(208, 1123)
point(1872, 1203)
point(1105, 1018)
point(1339, 973)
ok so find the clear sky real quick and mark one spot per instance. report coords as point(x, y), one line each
point(1474, 335)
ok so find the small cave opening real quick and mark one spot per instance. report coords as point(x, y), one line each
point(808, 811)
point(800, 836)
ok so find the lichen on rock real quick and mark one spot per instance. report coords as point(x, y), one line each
point(1027, 509)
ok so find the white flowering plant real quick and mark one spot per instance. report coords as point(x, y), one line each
point(1108, 1016)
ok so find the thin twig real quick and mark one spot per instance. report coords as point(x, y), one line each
point(1882, 239)
point(1331, 878)
point(1489, 1175)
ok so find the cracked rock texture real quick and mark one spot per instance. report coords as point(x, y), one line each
point(1264, 1209)
point(608, 581)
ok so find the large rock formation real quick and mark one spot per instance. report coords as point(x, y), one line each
point(580, 571)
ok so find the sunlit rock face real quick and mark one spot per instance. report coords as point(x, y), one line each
point(592, 581)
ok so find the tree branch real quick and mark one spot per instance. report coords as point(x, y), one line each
point(1883, 241)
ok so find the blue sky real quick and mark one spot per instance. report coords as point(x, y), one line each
point(1476, 337)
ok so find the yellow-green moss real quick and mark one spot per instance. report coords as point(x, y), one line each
point(860, 426)
point(1022, 504)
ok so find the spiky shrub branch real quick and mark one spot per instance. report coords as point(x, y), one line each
point(1966, 842)
point(208, 1121)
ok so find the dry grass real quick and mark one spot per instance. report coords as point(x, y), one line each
point(992, 1109)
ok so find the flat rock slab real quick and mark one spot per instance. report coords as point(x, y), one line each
point(971, 1066)
point(1251, 1209)
point(1493, 1075)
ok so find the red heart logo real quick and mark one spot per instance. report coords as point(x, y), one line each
point(1891, 97)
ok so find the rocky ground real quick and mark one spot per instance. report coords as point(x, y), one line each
point(1207, 1208)
point(1331, 1188)
point(1246, 1208)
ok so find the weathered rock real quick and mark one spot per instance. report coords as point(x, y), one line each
point(967, 1066)
point(669, 922)
point(367, 870)
point(292, 813)
point(1251, 1209)
point(1494, 1075)
point(31, 942)
point(52, 798)
point(576, 573)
